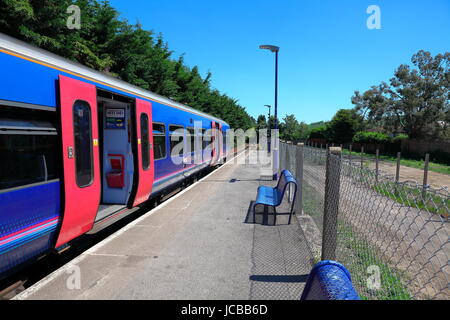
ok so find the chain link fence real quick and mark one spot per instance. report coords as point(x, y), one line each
point(392, 236)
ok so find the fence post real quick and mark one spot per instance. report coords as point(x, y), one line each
point(362, 157)
point(377, 155)
point(350, 155)
point(331, 203)
point(299, 177)
point(397, 173)
point(425, 176)
point(397, 170)
point(288, 160)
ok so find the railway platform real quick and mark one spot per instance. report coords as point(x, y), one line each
point(200, 244)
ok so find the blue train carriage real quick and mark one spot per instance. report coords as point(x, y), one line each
point(80, 150)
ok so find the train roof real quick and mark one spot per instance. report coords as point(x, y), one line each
point(26, 50)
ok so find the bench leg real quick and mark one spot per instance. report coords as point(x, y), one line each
point(292, 205)
point(289, 193)
point(265, 212)
point(274, 215)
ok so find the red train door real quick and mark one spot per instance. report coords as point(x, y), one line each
point(146, 170)
point(220, 142)
point(79, 128)
point(213, 142)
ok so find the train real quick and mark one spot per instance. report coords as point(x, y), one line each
point(80, 150)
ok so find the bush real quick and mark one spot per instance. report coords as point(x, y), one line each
point(318, 133)
point(400, 137)
point(440, 156)
point(370, 137)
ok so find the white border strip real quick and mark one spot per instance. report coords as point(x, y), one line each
point(40, 284)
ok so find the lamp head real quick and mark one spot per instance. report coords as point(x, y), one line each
point(269, 47)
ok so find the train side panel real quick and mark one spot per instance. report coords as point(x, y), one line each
point(31, 215)
point(28, 222)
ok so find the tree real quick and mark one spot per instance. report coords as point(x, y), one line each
point(416, 101)
point(119, 49)
point(344, 125)
point(304, 131)
point(261, 122)
point(291, 129)
point(319, 133)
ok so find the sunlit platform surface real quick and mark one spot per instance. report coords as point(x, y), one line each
point(201, 244)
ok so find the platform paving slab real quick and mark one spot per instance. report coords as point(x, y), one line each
point(203, 244)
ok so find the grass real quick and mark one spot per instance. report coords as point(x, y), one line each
point(313, 204)
point(357, 257)
point(357, 254)
point(413, 197)
point(419, 164)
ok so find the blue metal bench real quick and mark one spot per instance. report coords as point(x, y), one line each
point(329, 280)
point(273, 197)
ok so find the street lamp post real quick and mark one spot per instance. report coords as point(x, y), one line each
point(268, 129)
point(275, 149)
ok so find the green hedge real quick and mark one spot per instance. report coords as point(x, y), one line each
point(400, 137)
point(318, 133)
point(371, 137)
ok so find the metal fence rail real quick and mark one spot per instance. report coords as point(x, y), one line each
point(392, 236)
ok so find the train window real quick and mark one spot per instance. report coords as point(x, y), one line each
point(83, 143)
point(224, 140)
point(176, 139)
point(159, 141)
point(145, 142)
point(206, 138)
point(28, 158)
point(191, 133)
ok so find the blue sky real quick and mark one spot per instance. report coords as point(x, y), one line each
point(326, 50)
